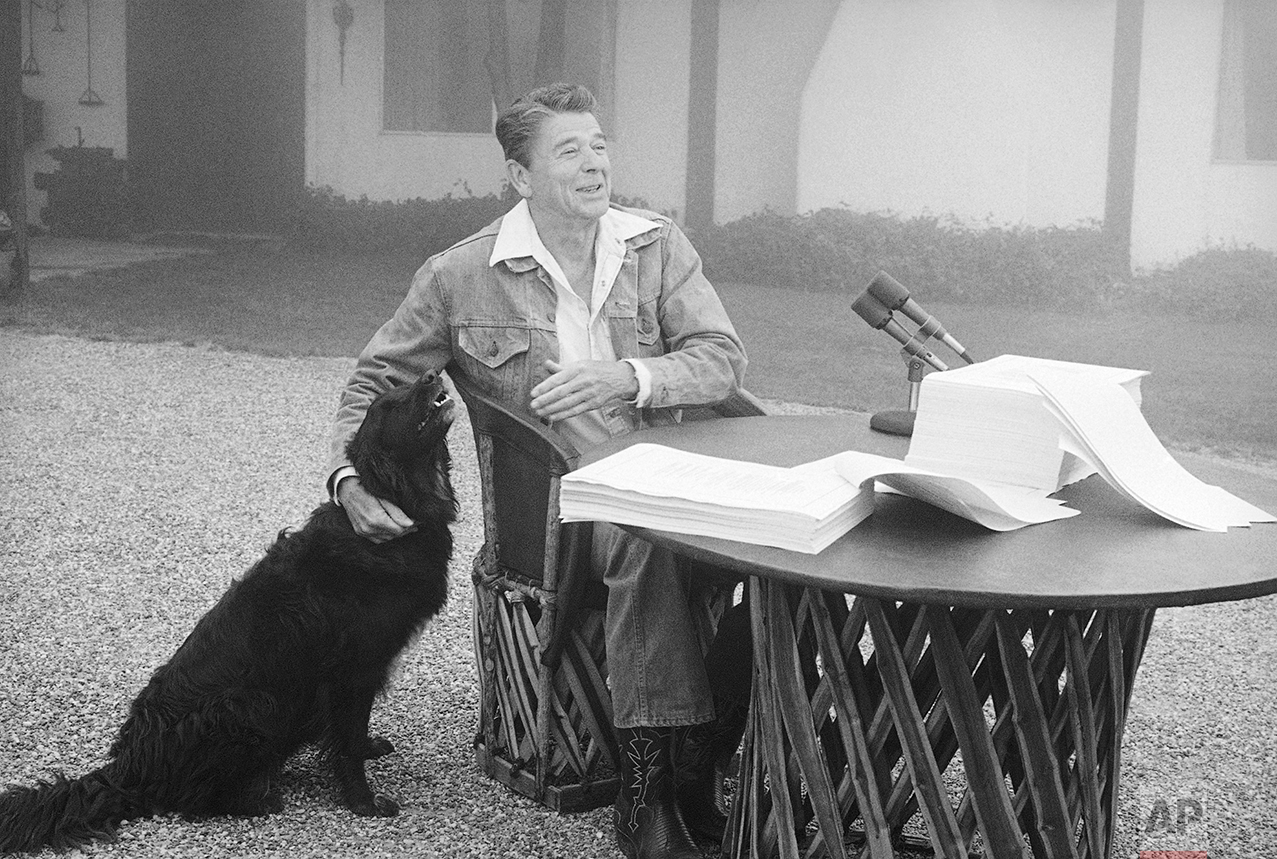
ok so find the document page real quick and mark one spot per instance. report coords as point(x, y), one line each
point(996, 506)
point(667, 472)
point(1108, 429)
point(987, 421)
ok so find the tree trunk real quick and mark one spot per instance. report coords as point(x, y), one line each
point(702, 115)
point(497, 60)
point(1124, 106)
point(13, 181)
point(549, 67)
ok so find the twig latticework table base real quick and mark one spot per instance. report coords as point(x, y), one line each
point(858, 710)
point(996, 726)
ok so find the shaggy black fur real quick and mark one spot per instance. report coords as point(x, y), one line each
point(293, 653)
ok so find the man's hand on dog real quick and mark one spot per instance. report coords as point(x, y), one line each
point(570, 390)
point(375, 518)
point(581, 386)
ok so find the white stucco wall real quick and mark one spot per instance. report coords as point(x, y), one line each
point(983, 109)
point(1185, 200)
point(766, 50)
point(997, 110)
point(347, 149)
point(649, 131)
point(63, 79)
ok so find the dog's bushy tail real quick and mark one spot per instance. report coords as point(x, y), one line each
point(63, 813)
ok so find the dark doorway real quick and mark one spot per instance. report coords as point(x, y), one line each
point(216, 113)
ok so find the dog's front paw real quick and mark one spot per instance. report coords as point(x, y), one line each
point(378, 805)
point(377, 747)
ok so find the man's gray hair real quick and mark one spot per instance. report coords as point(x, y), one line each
point(519, 123)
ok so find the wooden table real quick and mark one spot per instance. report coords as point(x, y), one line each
point(1009, 655)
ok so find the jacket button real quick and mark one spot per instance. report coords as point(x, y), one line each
point(493, 350)
point(550, 316)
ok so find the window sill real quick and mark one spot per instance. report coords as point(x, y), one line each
point(1245, 162)
point(397, 132)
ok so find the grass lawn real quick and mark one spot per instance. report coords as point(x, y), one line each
point(1211, 387)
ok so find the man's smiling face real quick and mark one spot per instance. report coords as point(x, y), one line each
point(569, 178)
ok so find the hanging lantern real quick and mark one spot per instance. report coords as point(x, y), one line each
point(89, 97)
point(30, 66)
point(343, 17)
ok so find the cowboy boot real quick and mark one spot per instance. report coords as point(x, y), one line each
point(646, 815)
point(704, 753)
point(706, 750)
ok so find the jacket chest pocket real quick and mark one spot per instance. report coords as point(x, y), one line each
point(495, 358)
point(493, 345)
point(648, 330)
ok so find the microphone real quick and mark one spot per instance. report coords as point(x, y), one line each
point(878, 315)
point(894, 296)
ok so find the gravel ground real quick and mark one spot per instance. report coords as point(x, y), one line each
point(138, 479)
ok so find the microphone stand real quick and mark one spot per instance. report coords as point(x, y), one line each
point(875, 305)
point(900, 421)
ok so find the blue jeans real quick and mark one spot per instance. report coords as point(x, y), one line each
point(495, 324)
point(656, 670)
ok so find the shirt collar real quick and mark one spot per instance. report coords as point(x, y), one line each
point(517, 237)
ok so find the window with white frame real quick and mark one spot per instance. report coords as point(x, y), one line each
point(1246, 122)
point(447, 62)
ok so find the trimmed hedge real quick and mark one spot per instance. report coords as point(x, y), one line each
point(837, 249)
point(938, 258)
point(1065, 268)
point(1218, 284)
point(420, 227)
point(327, 220)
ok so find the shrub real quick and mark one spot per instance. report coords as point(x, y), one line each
point(837, 249)
point(1217, 284)
point(941, 259)
point(418, 226)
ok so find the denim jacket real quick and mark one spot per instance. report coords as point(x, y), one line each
point(495, 324)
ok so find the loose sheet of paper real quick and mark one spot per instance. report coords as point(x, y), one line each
point(1109, 431)
point(996, 506)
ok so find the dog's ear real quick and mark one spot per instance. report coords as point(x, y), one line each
point(366, 450)
point(370, 427)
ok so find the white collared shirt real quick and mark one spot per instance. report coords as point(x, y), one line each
point(581, 327)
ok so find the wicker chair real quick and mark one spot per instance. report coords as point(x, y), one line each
point(545, 718)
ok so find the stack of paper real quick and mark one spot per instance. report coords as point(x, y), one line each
point(991, 442)
point(803, 508)
point(988, 421)
point(1104, 428)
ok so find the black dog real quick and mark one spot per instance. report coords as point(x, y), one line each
point(293, 653)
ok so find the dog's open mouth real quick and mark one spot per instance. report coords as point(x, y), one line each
point(443, 407)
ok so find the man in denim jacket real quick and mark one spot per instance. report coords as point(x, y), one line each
point(597, 320)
